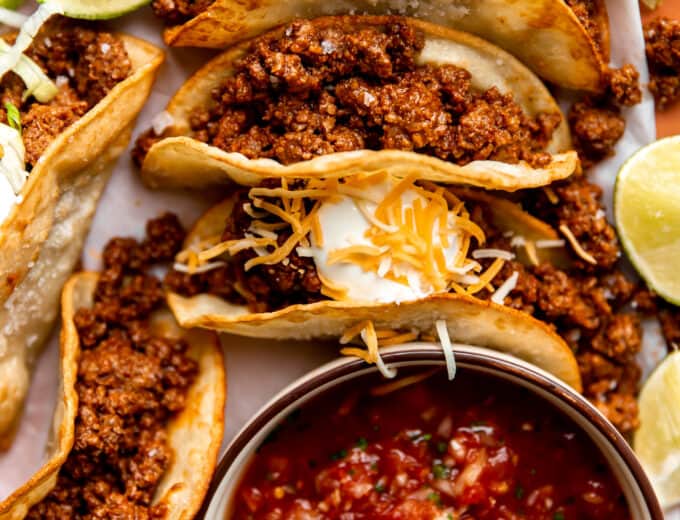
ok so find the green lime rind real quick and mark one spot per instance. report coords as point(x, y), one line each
point(11, 4)
point(657, 441)
point(647, 211)
point(99, 9)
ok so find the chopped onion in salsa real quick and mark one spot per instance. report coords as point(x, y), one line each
point(476, 448)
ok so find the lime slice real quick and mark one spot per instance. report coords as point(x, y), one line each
point(647, 209)
point(657, 441)
point(98, 9)
point(11, 4)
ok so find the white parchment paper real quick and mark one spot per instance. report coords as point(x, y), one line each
point(256, 369)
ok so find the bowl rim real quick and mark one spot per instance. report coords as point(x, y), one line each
point(421, 352)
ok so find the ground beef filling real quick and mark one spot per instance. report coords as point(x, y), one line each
point(130, 383)
point(596, 121)
point(174, 12)
point(663, 56)
point(85, 64)
point(579, 207)
point(317, 91)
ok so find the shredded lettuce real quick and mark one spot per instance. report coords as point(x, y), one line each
point(11, 18)
point(28, 31)
point(13, 162)
point(38, 84)
point(13, 116)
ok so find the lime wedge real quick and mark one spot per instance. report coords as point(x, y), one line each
point(657, 441)
point(647, 210)
point(11, 4)
point(98, 9)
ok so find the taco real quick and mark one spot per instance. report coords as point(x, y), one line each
point(139, 417)
point(315, 258)
point(70, 107)
point(565, 42)
point(338, 95)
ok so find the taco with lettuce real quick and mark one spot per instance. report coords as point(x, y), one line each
point(338, 95)
point(316, 258)
point(563, 41)
point(68, 107)
point(139, 414)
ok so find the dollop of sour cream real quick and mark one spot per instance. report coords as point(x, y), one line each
point(343, 225)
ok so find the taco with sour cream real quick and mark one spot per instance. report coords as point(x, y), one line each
point(338, 95)
point(68, 107)
point(319, 258)
point(574, 34)
point(139, 415)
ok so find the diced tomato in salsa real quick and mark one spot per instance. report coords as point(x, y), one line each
point(476, 448)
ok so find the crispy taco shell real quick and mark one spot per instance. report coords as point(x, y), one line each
point(469, 319)
point(176, 160)
point(194, 435)
point(41, 239)
point(544, 34)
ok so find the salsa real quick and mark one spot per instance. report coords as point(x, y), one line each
point(476, 448)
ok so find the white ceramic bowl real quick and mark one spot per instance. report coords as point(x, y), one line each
point(630, 475)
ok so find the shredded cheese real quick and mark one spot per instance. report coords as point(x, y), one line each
point(530, 248)
point(578, 249)
point(398, 339)
point(366, 330)
point(447, 347)
point(353, 332)
point(248, 208)
point(419, 234)
point(196, 269)
point(332, 290)
point(487, 276)
point(283, 215)
point(547, 244)
point(492, 253)
point(550, 193)
point(361, 205)
point(506, 288)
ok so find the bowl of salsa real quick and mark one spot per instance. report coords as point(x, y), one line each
point(502, 440)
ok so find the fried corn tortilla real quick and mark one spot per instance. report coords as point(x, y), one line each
point(469, 319)
point(564, 46)
point(42, 237)
point(194, 435)
point(175, 160)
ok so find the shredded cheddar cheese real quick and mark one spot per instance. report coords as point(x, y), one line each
point(576, 246)
point(369, 336)
point(418, 234)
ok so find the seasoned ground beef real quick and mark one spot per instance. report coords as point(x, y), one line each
point(130, 383)
point(174, 12)
point(579, 207)
point(596, 127)
point(85, 64)
point(596, 122)
point(623, 85)
point(316, 91)
point(663, 56)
